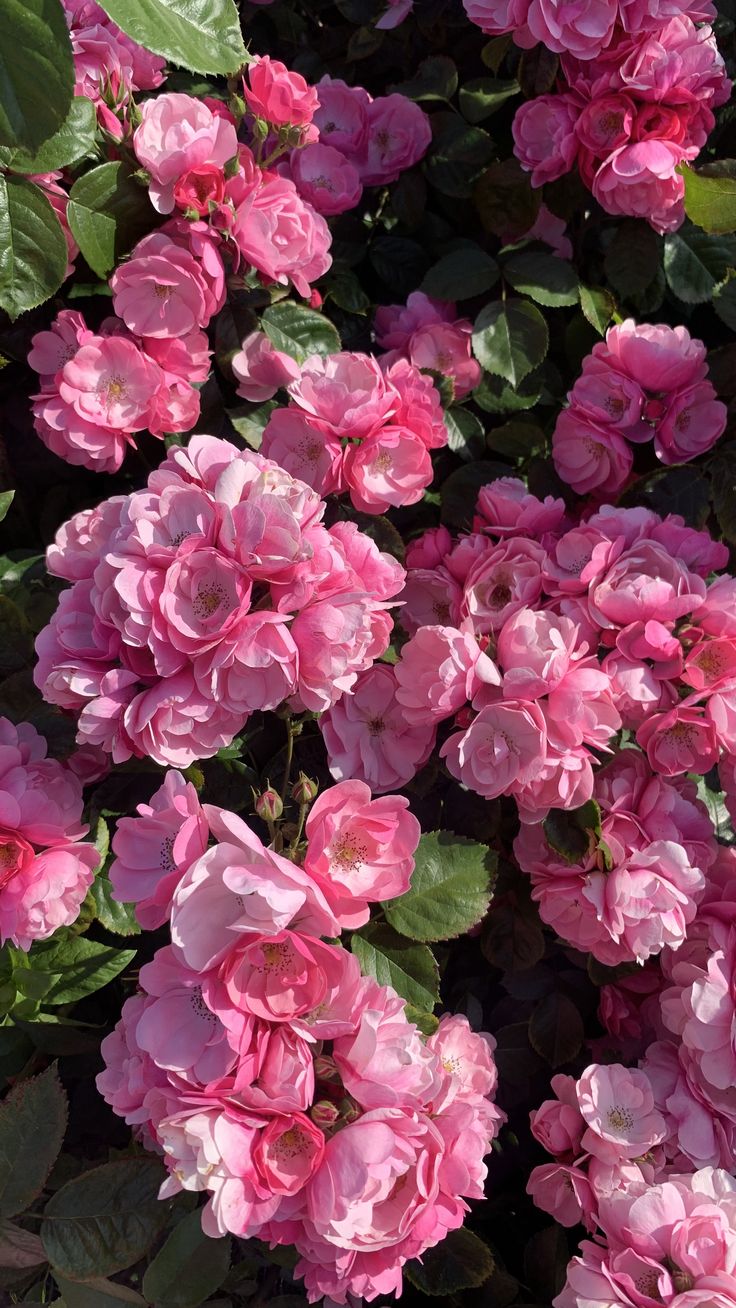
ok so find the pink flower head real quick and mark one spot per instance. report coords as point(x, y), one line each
point(501, 749)
point(618, 1107)
point(506, 508)
point(368, 737)
point(385, 1061)
point(496, 17)
point(325, 178)
point(342, 116)
point(347, 392)
point(360, 850)
point(558, 1124)
point(577, 27)
point(505, 578)
point(589, 456)
point(439, 671)
point(399, 135)
point(389, 469)
point(658, 357)
point(692, 424)
point(260, 369)
point(544, 136)
point(239, 888)
point(680, 740)
point(564, 1192)
point(283, 238)
point(154, 850)
point(176, 134)
point(279, 96)
point(110, 383)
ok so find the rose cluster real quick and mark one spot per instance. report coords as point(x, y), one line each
point(359, 425)
point(108, 65)
point(272, 1076)
point(635, 97)
point(642, 383)
point(430, 335)
point(45, 867)
point(214, 592)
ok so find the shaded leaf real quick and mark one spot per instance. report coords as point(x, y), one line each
point(545, 278)
point(556, 1029)
point(461, 274)
point(510, 338)
point(188, 1267)
point(33, 254)
point(74, 139)
point(108, 212)
point(36, 71)
point(27, 1154)
point(450, 888)
point(459, 1262)
point(83, 965)
point(394, 961)
point(104, 1220)
point(459, 493)
point(299, 331)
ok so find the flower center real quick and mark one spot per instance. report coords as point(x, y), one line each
point(290, 1144)
point(349, 854)
point(208, 600)
point(166, 857)
point(115, 388)
point(199, 1006)
point(276, 956)
point(620, 1119)
point(161, 292)
point(375, 726)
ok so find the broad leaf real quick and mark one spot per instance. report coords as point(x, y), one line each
point(6, 499)
point(550, 281)
point(482, 96)
point(459, 492)
point(33, 252)
point(510, 338)
point(104, 1220)
point(83, 966)
point(203, 35)
point(459, 151)
point(97, 1292)
point(461, 275)
point(633, 257)
point(32, 1125)
point(108, 212)
point(74, 139)
point(19, 1248)
point(516, 439)
point(598, 305)
point(299, 331)
point(710, 199)
point(36, 71)
point(459, 1262)
point(436, 79)
point(394, 961)
point(114, 916)
point(465, 435)
point(556, 1029)
point(188, 1268)
point(695, 263)
point(573, 833)
point(450, 888)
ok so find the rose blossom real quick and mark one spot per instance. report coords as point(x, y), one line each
point(176, 134)
point(154, 850)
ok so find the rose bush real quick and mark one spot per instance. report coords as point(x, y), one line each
point(368, 658)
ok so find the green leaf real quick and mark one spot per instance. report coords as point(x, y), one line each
point(556, 1029)
point(459, 1262)
point(722, 469)
point(114, 916)
point(507, 203)
point(436, 79)
point(464, 433)
point(459, 493)
point(33, 253)
point(515, 439)
point(299, 331)
point(394, 961)
point(510, 338)
point(482, 96)
point(108, 212)
point(724, 303)
point(459, 152)
point(96, 1292)
point(694, 263)
point(6, 499)
point(547, 279)
point(450, 888)
point(461, 275)
point(32, 1125)
point(104, 1220)
point(83, 965)
point(202, 35)
point(36, 71)
point(633, 257)
point(572, 833)
point(74, 139)
point(19, 1248)
point(598, 305)
point(710, 199)
point(189, 1267)
point(494, 395)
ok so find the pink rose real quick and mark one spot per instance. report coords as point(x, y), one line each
point(368, 737)
point(389, 469)
point(360, 850)
point(178, 133)
point(325, 178)
point(501, 749)
point(618, 1107)
point(588, 456)
point(506, 508)
point(680, 740)
point(544, 136)
point(110, 383)
point(692, 424)
point(342, 116)
point(282, 237)
point(440, 670)
point(277, 95)
point(399, 135)
point(260, 369)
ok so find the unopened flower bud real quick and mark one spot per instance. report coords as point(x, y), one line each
point(324, 1114)
point(304, 789)
point(350, 1111)
point(268, 805)
point(325, 1068)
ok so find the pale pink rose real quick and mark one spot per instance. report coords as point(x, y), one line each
point(505, 578)
point(680, 63)
point(495, 17)
point(325, 178)
point(368, 737)
point(618, 1107)
point(175, 1027)
point(505, 507)
point(398, 136)
point(277, 95)
point(282, 237)
point(500, 750)
point(51, 349)
point(385, 1062)
point(347, 392)
point(239, 888)
point(342, 116)
point(275, 1071)
point(395, 324)
point(564, 1192)
point(129, 1073)
point(641, 180)
point(419, 405)
point(160, 294)
point(692, 424)
point(695, 1134)
point(588, 456)
point(110, 383)
point(186, 357)
point(175, 720)
point(575, 27)
point(544, 136)
point(154, 850)
point(389, 469)
point(330, 635)
point(360, 850)
point(558, 1124)
point(645, 582)
point(178, 133)
point(658, 357)
point(79, 441)
point(680, 740)
point(306, 447)
point(611, 397)
point(446, 348)
point(40, 892)
point(281, 976)
point(440, 670)
point(289, 1152)
point(697, 549)
point(429, 549)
